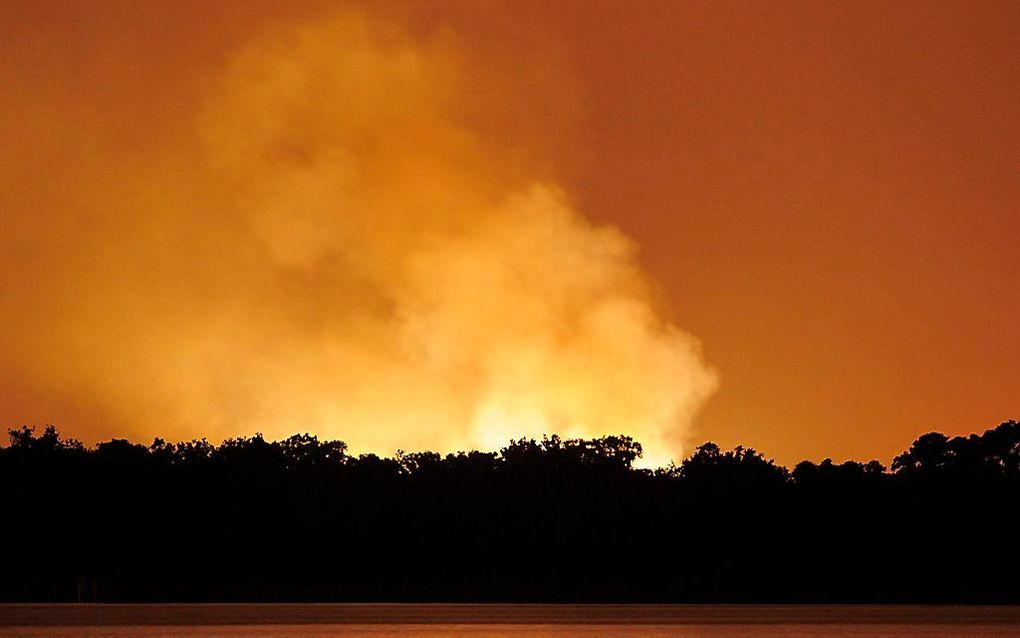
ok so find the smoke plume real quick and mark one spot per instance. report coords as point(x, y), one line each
point(339, 241)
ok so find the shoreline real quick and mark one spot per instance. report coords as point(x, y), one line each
point(208, 614)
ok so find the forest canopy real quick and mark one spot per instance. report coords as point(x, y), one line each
point(550, 520)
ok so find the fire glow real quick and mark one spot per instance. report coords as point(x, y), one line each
point(333, 246)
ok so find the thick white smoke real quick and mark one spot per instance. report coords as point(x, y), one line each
point(340, 248)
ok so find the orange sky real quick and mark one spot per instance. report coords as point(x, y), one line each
point(825, 194)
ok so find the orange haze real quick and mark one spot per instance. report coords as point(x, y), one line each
point(418, 226)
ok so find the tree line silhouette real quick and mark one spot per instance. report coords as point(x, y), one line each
point(553, 520)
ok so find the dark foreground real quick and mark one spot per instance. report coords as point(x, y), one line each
point(503, 621)
point(551, 521)
point(481, 614)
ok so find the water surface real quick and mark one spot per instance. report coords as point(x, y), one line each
point(504, 621)
point(527, 631)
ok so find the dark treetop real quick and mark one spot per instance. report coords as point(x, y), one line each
point(540, 521)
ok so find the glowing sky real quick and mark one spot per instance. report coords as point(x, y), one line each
point(825, 196)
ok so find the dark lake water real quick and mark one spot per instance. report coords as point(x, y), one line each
point(530, 631)
point(534, 621)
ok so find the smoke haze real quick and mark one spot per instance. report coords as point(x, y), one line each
point(337, 240)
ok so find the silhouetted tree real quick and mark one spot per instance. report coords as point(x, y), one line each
point(541, 520)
